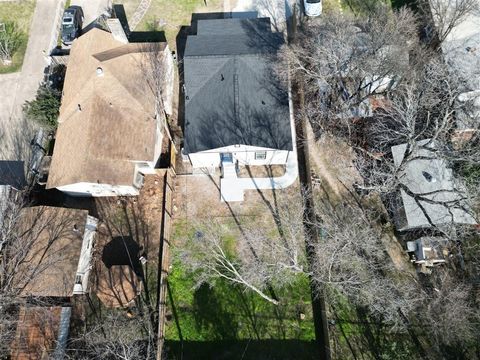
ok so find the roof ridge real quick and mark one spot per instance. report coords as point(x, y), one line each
point(207, 79)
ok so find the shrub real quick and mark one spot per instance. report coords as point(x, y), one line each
point(45, 108)
point(10, 41)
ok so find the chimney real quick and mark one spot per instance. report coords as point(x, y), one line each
point(117, 30)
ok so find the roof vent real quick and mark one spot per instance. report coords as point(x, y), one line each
point(99, 71)
point(428, 177)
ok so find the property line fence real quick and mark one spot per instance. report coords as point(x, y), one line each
point(164, 255)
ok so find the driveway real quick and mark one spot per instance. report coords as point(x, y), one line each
point(277, 10)
point(15, 89)
point(92, 9)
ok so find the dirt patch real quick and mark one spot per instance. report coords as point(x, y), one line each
point(333, 175)
point(332, 162)
point(198, 196)
point(129, 233)
point(261, 171)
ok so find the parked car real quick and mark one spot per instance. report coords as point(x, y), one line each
point(312, 7)
point(72, 24)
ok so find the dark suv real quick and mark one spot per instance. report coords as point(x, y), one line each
point(71, 24)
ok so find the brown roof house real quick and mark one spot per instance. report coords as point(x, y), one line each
point(42, 333)
point(57, 249)
point(110, 129)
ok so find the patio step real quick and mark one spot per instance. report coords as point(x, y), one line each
point(229, 170)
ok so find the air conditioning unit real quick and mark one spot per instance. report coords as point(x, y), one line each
point(139, 180)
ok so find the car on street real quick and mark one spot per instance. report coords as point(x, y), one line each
point(72, 24)
point(312, 7)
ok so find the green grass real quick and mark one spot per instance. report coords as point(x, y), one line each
point(173, 13)
point(226, 312)
point(226, 315)
point(21, 13)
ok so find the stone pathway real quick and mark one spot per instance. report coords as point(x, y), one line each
point(139, 14)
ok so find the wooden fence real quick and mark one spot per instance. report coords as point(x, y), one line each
point(164, 255)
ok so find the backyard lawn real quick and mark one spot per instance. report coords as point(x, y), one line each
point(225, 321)
point(170, 15)
point(215, 320)
point(20, 12)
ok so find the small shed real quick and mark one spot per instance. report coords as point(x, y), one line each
point(428, 251)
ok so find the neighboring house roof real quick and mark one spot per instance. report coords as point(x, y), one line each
point(41, 332)
point(107, 117)
point(424, 173)
point(232, 96)
point(59, 243)
point(12, 173)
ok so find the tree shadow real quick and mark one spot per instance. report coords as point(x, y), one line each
point(242, 349)
point(210, 314)
point(123, 250)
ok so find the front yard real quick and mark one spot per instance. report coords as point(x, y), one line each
point(20, 13)
point(170, 16)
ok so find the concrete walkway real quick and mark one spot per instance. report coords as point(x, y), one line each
point(139, 13)
point(232, 189)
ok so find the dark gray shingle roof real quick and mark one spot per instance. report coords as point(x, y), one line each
point(12, 173)
point(231, 94)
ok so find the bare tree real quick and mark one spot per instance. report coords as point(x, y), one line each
point(27, 240)
point(257, 259)
point(345, 60)
point(448, 14)
point(370, 81)
point(115, 336)
point(158, 75)
point(450, 314)
point(352, 263)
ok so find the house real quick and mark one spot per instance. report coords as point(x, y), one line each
point(56, 246)
point(428, 251)
point(236, 109)
point(110, 128)
point(41, 333)
point(429, 194)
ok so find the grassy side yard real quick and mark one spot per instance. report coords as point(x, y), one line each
point(169, 15)
point(212, 321)
point(21, 13)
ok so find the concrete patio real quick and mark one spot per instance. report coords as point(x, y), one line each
point(233, 188)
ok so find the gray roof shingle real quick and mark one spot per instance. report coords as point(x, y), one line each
point(232, 95)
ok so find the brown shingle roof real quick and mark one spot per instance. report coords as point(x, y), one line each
point(53, 237)
point(36, 334)
point(116, 123)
